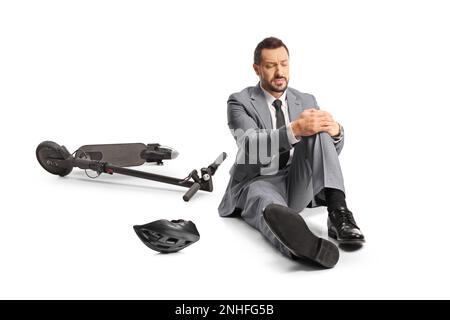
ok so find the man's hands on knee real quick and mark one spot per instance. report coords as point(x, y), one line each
point(312, 121)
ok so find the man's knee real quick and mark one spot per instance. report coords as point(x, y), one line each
point(310, 144)
point(323, 137)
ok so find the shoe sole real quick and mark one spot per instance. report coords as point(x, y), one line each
point(292, 231)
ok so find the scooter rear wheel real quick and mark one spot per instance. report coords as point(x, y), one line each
point(48, 151)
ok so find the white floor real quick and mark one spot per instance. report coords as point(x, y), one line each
point(72, 238)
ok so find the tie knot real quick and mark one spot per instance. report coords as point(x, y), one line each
point(277, 104)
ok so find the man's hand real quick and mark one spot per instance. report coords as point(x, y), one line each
point(312, 121)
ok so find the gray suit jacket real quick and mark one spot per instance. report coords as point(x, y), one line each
point(247, 110)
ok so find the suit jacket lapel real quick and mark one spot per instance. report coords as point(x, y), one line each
point(295, 106)
point(260, 105)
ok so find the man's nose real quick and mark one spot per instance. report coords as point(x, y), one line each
point(279, 73)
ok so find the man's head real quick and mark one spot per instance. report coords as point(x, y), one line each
point(271, 64)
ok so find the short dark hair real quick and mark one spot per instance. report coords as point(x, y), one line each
point(267, 43)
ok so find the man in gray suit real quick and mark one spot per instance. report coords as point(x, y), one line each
point(287, 160)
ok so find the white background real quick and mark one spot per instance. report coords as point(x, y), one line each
point(85, 72)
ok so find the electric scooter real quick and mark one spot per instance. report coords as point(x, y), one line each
point(115, 158)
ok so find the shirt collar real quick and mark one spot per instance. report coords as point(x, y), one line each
point(270, 99)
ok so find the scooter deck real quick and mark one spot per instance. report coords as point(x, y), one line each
point(119, 154)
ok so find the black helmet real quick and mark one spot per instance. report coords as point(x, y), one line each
point(168, 236)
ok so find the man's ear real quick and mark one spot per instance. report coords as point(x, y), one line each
point(256, 68)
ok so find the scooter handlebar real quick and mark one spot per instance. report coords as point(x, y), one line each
point(213, 166)
point(192, 190)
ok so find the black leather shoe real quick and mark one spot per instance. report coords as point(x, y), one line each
point(343, 228)
point(291, 230)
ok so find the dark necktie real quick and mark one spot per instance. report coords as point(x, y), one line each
point(284, 157)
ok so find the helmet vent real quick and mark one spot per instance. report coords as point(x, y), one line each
point(171, 241)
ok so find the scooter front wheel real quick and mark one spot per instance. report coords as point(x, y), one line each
point(48, 151)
